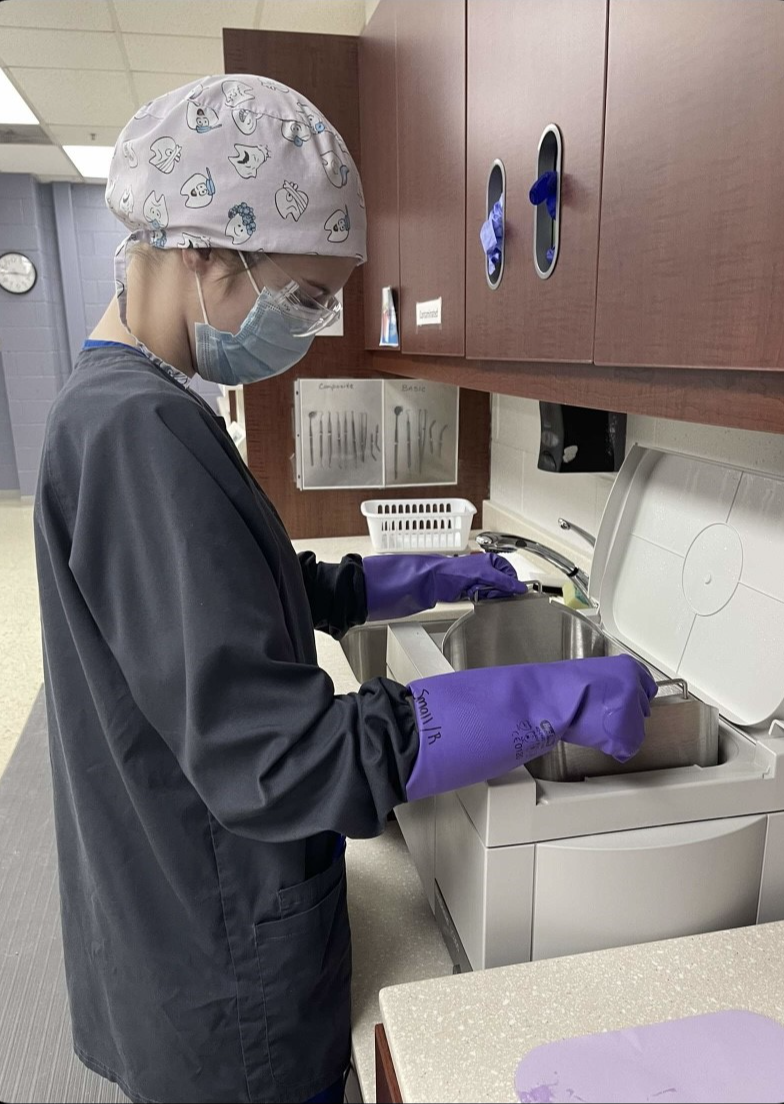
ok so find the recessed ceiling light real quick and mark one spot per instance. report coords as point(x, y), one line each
point(13, 109)
point(91, 161)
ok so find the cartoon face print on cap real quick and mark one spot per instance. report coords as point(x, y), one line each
point(294, 130)
point(248, 159)
point(130, 154)
point(290, 200)
point(241, 224)
point(338, 226)
point(155, 210)
point(334, 166)
point(245, 120)
point(193, 241)
point(165, 153)
point(199, 118)
point(236, 92)
point(314, 122)
point(274, 86)
point(199, 190)
point(125, 206)
point(158, 217)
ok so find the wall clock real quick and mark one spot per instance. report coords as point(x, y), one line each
point(17, 273)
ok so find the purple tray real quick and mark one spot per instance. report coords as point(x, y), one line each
point(727, 1057)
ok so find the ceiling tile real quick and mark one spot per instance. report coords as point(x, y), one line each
point(60, 49)
point(150, 85)
point(316, 16)
point(65, 96)
point(202, 18)
point(174, 54)
point(49, 160)
point(80, 15)
point(82, 135)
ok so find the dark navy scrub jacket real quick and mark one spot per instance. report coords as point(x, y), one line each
point(204, 769)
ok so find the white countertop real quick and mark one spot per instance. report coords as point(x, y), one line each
point(461, 1038)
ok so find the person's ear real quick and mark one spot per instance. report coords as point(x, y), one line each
point(196, 260)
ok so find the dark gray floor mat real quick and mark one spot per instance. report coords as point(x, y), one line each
point(37, 1064)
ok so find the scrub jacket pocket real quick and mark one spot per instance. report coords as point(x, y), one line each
point(305, 967)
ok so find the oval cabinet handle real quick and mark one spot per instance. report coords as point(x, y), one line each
point(493, 228)
point(545, 195)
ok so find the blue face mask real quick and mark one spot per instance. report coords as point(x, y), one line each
point(264, 345)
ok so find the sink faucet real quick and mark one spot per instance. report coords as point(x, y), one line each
point(508, 542)
point(589, 537)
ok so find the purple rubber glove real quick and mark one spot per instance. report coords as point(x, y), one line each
point(401, 585)
point(482, 723)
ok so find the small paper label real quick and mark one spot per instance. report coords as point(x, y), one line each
point(429, 313)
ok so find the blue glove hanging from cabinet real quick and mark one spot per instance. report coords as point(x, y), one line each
point(545, 190)
point(491, 235)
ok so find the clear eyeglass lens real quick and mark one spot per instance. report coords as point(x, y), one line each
point(306, 315)
point(307, 312)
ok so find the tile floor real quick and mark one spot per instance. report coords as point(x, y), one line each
point(21, 671)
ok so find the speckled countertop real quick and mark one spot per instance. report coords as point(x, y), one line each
point(461, 1038)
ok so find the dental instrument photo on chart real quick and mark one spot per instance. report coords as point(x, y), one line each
point(375, 433)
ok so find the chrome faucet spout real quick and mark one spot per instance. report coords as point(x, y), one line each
point(570, 526)
point(509, 542)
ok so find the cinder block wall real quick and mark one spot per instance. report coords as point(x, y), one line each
point(41, 332)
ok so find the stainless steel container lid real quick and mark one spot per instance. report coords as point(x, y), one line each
point(688, 572)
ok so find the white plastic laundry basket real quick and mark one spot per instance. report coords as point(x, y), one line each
point(419, 524)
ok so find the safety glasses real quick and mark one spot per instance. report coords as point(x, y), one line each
point(305, 314)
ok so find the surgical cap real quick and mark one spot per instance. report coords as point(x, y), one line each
point(238, 162)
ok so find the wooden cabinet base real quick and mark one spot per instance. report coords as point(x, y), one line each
point(387, 1088)
point(739, 399)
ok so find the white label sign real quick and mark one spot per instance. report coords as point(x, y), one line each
point(429, 313)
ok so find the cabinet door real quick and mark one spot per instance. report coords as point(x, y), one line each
point(530, 64)
point(692, 224)
point(378, 145)
point(619, 888)
point(431, 139)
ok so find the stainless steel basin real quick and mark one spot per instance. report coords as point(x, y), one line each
point(526, 630)
point(366, 646)
point(681, 731)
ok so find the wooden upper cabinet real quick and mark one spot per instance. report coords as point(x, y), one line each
point(378, 145)
point(432, 150)
point(532, 63)
point(691, 258)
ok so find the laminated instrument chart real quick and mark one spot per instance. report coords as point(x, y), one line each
point(375, 433)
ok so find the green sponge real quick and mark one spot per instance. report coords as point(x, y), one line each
point(572, 597)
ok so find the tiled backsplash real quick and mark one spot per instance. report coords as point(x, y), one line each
point(517, 485)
